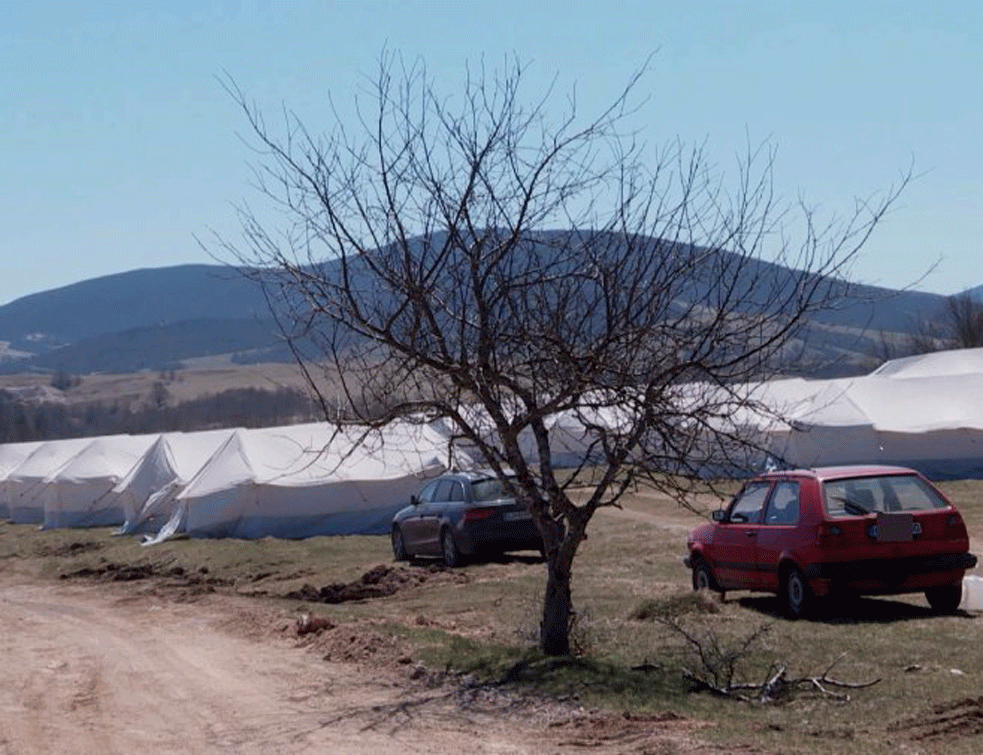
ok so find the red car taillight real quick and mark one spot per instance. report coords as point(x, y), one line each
point(955, 522)
point(483, 513)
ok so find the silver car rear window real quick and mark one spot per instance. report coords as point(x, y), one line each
point(490, 489)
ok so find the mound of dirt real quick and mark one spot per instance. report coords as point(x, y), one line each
point(954, 720)
point(352, 643)
point(378, 582)
point(68, 550)
point(600, 731)
point(110, 571)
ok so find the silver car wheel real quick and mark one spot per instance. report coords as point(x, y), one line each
point(448, 549)
point(399, 546)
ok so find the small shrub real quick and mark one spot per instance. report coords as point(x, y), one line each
point(676, 604)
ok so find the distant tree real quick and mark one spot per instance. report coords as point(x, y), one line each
point(959, 325)
point(63, 380)
point(159, 394)
point(236, 407)
point(964, 321)
point(468, 258)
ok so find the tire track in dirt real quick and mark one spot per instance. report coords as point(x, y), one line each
point(101, 669)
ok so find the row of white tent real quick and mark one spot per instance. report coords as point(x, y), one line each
point(293, 481)
point(924, 412)
point(302, 480)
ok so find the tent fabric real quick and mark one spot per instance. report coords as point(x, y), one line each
point(147, 493)
point(572, 440)
point(935, 364)
point(81, 492)
point(12, 455)
point(305, 480)
point(924, 412)
point(24, 486)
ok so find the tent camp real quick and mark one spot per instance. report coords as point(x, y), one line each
point(12, 455)
point(23, 488)
point(300, 481)
point(147, 494)
point(80, 493)
point(924, 412)
point(932, 424)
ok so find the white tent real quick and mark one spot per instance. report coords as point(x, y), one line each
point(12, 455)
point(935, 364)
point(24, 486)
point(299, 481)
point(572, 441)
point(147, 494)
point(80, 493)
point(924, 412)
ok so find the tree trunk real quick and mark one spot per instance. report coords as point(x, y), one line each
point(554, 630)
point(561, 541)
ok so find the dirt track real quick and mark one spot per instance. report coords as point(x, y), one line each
point(116, 669)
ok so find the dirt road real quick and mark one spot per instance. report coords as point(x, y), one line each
point(106, 669)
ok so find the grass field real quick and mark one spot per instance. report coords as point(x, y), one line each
point(201, 378)
point(482, 620)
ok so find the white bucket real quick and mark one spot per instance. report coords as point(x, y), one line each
point(972, 593)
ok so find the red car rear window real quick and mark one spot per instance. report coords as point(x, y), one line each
point(858, 495)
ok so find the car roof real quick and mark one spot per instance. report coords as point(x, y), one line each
point(841, 472)
point(473, 474)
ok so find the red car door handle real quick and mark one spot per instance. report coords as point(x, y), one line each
point(752, 533)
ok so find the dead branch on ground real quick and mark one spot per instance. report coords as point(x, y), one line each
point(778, 685)
point(719, 661)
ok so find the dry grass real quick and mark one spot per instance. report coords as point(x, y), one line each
point(205, 377)
point(482, 619)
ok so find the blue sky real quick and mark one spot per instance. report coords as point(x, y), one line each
point(119, 146)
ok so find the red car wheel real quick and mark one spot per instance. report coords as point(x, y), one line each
point(702, 576)
point(795, 593)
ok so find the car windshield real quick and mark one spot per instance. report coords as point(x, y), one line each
point(858, 496)
point(489, 489)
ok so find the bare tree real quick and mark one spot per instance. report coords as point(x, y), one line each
point(964, 321)
point(476, 259)
point(959, 325)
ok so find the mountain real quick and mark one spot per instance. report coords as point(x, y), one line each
point(165, 346)
point(975, 293)
point(156, 318)
point(139, 298)
point(141, 319)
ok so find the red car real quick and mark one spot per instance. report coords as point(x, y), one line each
point(807, 534)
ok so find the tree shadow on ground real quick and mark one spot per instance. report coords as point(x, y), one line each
point(527, 557)
point(511, 558)
point(570, 677)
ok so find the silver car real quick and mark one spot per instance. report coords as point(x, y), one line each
point(463, 515)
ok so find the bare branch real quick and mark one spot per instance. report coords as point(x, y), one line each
point(553, 290)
